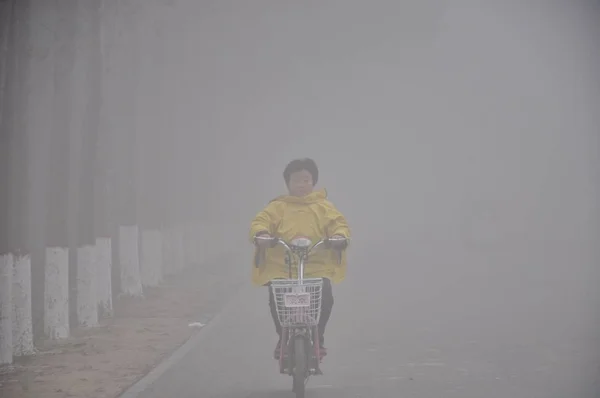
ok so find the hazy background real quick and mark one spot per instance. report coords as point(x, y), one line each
point(461, 139)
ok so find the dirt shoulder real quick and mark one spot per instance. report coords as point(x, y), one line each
point(104, 361)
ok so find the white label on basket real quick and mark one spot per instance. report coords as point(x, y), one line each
point(295, 300)
point(298, 289)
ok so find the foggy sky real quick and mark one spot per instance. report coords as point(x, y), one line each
point(460, 139)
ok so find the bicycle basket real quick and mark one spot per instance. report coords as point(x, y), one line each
point(298, 304)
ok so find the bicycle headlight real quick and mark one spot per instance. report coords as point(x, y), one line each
point(302, 242)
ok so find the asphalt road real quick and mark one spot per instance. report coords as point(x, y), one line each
point(422, 327)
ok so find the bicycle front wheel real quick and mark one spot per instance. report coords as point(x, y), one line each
point(300, 367)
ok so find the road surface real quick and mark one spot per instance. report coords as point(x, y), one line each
point(427, 328)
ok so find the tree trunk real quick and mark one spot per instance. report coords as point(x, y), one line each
point(104, 220)
point(37, 104)
point(6, 341)
point(58, 216)
point(104, 277)
point(87, 97)
point(56, 314)
point(7, 61)
point(6, 351)
point(131, 282)
point(122, 99)
point(22, 310)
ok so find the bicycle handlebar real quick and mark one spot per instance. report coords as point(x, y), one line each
point(275, 241)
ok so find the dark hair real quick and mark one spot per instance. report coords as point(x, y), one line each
point(299, 165)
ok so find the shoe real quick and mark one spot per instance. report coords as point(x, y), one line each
point(277, 351)
point(322, 351)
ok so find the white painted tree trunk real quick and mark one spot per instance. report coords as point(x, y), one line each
point(56, 295)
point(87, 303)
point(192, 244)
point(201, 242)
point(213, 242)
point(187, 249)
point(173, 251)
point(21, 296)
point(131, 282)
point(152, 258)
point(104, 277)
point(6, 342)
point(167, 252)
point(189, 244)
point(179, 249)
point(186, 255)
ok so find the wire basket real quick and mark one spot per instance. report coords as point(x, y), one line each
point(298, 304)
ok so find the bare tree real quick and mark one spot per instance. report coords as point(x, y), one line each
point(7, 61)
point(122, 99)
point(57, 318)
point(84, 137)
point(6, 338)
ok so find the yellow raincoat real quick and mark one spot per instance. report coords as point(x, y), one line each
point(287, 217)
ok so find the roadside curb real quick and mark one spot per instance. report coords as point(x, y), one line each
point(146, 381)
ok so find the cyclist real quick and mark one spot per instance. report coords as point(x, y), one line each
point(303, 212)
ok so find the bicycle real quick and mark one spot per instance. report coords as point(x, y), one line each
point(298, 304)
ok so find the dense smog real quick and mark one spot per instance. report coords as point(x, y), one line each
point(153, 153)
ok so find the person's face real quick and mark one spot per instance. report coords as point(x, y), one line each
point(301, 183)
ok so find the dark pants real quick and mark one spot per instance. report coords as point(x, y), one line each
point(326, 306)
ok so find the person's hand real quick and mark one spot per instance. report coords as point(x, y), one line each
point(266, 240)
point(338, 241)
